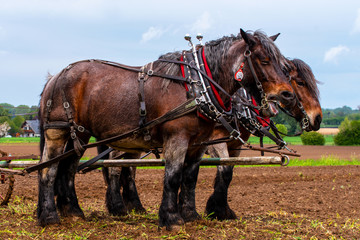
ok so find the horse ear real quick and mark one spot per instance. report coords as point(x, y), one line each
point(248, 38)
point(274, 37)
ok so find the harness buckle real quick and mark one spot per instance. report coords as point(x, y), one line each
point(142, 112)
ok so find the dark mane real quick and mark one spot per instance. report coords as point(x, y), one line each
point(216, 53)
point(269, 46)
point(307, 75)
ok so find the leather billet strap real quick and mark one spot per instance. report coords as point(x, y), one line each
point(77, 144)
point(264, 102)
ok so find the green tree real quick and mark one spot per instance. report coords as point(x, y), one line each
point(312, 138)
point(18, 121)
point(349, 133)
point(282, 128)
point(3, 111)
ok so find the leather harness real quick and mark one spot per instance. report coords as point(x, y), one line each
point(194, 77)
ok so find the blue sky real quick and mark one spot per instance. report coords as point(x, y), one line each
point(41, 36)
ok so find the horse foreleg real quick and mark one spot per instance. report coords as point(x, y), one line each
point(55, 140)
point(189, 178)
point(217, 205)
point(113, 199)
point(130, 194)
point(66, 201)
point(175, 150)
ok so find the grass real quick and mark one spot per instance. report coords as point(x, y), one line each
point(329, 140)
point(20, 140)
point(324, 161)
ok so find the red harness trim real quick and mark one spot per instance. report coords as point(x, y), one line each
point(183, 72)
point(217, 95)
point(263, 121)
point(208, 72)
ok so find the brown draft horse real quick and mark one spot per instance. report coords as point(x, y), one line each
point(305, 85)
point(104, 101)
point(308, 108)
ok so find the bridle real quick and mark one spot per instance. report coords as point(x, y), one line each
point(305, 121)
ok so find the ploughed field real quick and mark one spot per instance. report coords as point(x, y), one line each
point(270, 202)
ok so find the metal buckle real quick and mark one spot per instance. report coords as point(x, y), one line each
point(142, 112)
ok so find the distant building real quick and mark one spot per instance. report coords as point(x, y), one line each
point(31, 128)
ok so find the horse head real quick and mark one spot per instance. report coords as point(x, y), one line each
point(259, 61)
point(307, 110)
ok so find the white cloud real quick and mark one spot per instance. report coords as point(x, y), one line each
point(333, 53)
point(3, 52)
point(152, 33)
point(356, 27)
point(2, 31)
point(202, 24)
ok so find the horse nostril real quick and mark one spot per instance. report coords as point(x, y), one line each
point(287, 95)
point(317, 121)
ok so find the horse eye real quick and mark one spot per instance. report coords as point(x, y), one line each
point(300, 83)
point(265, 62)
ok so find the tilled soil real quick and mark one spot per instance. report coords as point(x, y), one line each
point(270, 203)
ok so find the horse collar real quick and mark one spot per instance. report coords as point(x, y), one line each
point(199, 87)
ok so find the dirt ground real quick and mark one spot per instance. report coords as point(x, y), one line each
point(270, 202)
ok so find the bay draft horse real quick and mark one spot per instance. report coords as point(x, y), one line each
point(104, 101)
point(307, 112)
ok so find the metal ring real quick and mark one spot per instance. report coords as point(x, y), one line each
point(150, 72)
point(80, 128)
point(247, 53)
point(66, 105)
point(285, 160)
point(305, 123)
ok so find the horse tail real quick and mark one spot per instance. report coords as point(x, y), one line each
point(42, 137)
point(41, 119)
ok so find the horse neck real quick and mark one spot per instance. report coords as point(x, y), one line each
point(221, 63)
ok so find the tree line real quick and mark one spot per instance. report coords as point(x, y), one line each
point(15, 116)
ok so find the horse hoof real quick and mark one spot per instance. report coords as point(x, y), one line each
point(49, 220)
point(175, 228)
point(71, 212)
point(171, 222)
point(221, 214)
point(136, 208)
point(190, 216)
point(118, 212)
